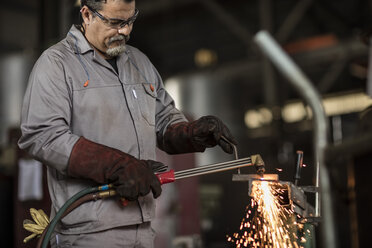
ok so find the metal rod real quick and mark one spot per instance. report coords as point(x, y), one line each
point(306, 89)
point(244, 160)
point(234, 148)
point(299, 164)
point(214, 168)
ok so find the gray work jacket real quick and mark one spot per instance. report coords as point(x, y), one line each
point(74, 92)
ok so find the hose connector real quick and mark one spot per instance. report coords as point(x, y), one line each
point(107, 193)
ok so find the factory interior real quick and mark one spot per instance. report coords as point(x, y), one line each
point(289, 78)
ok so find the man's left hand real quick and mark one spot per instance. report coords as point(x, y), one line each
point(208, 131)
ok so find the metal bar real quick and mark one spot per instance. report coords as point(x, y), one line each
point(305, 88)
point(292, 20)
point(299, 165)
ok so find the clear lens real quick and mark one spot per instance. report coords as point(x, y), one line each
point(115, 23)
point(122, 23)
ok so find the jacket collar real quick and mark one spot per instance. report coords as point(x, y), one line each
point(78, 41)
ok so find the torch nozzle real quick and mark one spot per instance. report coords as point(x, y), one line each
point(258, 162)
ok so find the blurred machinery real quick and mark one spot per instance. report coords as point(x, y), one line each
point(14, 72)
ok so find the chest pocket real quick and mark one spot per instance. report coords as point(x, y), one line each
point(147, 102)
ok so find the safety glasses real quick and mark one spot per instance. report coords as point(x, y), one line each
point(114, 22)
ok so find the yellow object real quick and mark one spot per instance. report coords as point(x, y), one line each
point(41, 221)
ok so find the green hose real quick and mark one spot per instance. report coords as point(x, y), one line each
point(65, 207)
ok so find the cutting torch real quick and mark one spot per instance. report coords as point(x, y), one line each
point(254, 160)
point(170, 176)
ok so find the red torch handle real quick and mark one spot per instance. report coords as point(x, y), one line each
point(164, 177)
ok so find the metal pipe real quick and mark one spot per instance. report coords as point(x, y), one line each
point(306, 89)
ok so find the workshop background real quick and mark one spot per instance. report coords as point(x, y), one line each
point(205, 53)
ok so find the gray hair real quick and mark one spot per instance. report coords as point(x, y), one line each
point(98, 4)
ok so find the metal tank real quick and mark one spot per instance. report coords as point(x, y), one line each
point(203, 94)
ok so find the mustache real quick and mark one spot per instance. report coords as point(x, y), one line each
point(118, 38)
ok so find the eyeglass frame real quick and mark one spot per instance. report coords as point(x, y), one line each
point(122, 23)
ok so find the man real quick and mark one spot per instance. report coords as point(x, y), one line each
point(94, 111)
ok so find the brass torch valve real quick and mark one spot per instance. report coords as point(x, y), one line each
point(258, 162)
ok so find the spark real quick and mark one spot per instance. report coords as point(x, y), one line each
point(267, 223)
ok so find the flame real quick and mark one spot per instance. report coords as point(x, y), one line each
point(267, 223)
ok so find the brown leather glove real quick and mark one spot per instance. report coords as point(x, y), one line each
point(131, 177)
point(196, 136)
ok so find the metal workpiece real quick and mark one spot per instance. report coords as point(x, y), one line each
point(297, 202)
point(251, 177)
point(291, 197)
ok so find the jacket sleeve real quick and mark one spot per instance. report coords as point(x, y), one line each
point(46, 114)
point(166, 111)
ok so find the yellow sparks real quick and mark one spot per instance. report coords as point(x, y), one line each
point(267, 223)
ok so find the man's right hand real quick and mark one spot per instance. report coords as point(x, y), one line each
point(135, 178)
point(131, 177)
